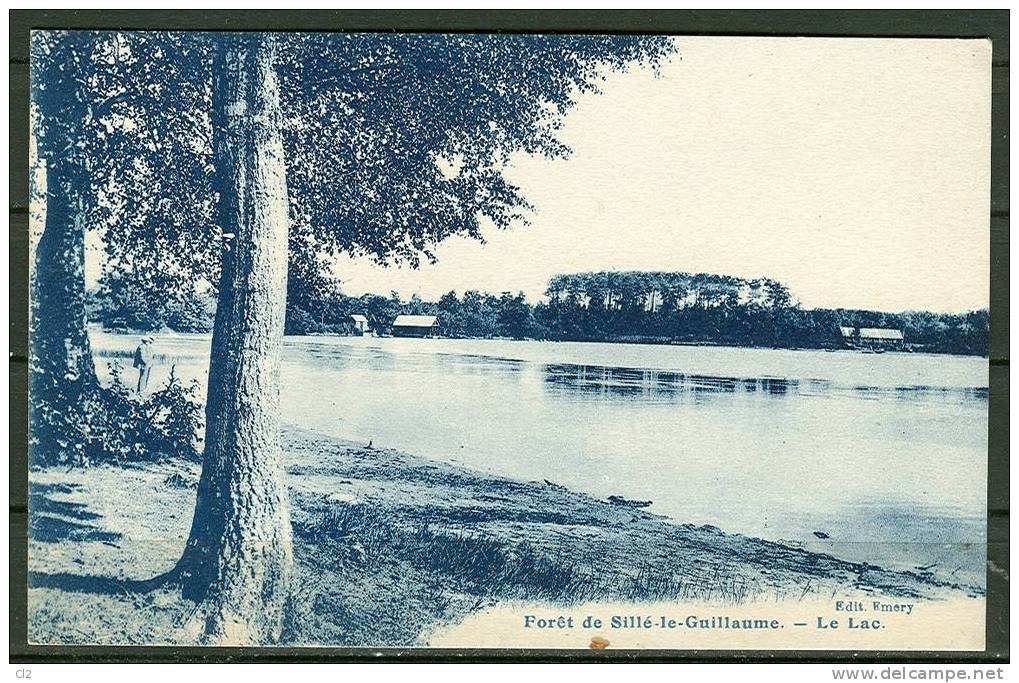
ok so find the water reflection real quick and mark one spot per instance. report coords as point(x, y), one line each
point(373, 358)
point(473, 364)
point(565, 380)
point(326, 355)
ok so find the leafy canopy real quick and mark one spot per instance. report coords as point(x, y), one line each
point(127, 115)
point(394, 141)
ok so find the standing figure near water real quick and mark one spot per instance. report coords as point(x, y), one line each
point(143, 361)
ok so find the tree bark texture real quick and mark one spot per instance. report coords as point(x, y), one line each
point(238, 561)
point(64, 381)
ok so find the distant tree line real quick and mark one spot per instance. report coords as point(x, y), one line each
point(632, 306)
point(718, 309)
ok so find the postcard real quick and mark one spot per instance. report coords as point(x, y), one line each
point(467, 340)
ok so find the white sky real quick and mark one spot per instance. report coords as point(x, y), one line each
point(854, 170)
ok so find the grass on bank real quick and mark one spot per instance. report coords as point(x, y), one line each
point(390, 547)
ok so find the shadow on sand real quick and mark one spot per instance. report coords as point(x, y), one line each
point(83, 583)
point(54, 521)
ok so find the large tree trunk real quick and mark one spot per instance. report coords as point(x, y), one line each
point(64, 380)
point(63, 376)
point(238, 561)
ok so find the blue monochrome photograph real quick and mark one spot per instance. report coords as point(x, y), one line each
point(470, 340)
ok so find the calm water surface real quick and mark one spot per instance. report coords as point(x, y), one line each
point(884, 453)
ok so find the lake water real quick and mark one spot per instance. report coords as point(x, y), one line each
point(885, 453)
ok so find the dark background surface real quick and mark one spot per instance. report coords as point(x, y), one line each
point(991, 24)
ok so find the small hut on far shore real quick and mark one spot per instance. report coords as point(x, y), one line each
point(415, 326)
point(875, 338)
point(360, 324)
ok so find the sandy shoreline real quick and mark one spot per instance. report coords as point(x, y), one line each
point(392, 547)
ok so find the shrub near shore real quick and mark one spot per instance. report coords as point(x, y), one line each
point(117, 425)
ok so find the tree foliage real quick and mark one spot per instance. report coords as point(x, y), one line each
point(401, 140)
point(394, 141)
point(129, 112)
